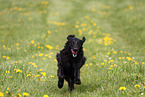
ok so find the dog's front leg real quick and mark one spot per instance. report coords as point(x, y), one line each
point(60, 77)
point(77, 77)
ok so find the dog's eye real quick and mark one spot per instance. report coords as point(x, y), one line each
point(78, 43)
point(73, 42)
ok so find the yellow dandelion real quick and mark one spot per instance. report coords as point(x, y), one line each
point(111, 66)
point(51, 53)
point(18, 71)
point(8, 57)
point(143, 62)
point(129, 54)
point(91, 63)
point(55, 60)
point(18, 95)
point(10, 76)
point(35, 65)
point(1, 94)
point(102, 63)
point(52, 76)
point(105, 60)
point(130, 7)
point(43, 73)
point(49, 32)
point(40, 69)
point(25, 94)
point(7, 71)
point(40, 54)
point(45, 96)
point(28, 75)
point(30, 62)
point(122, 88)
point(4, 56)
point(114, 52)
point(37, 75)
point(32, 41)
point(94, 24)
point(17, 44)
point(48, 46)
point(115, 64)
point(77, 26)
point(108, 53)
point(86, 64)
point(49, 56)
point(137, 86)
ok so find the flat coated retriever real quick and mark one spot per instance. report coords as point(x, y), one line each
point(70, 60)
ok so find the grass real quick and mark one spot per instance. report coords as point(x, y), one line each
point(32, 32)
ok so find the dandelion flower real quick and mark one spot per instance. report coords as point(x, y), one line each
point(43, 73)
point(1, 94)
point(28, 75)
point(18, 95)
point(130, 7)
point(37, 75)
point(115, 64)
point(52, 76)
point(91, 64)
point(40, 54)
point(48, 46)
point(10, 76)
point(25, 94)
point(122, 88)
point(32, 41)
point(55, 60)
point(18, 71)
point(137, 86)
point(4, 56)
point(111, 66)
point(49, 32)
point(108, 53)
point(45, 96)
point(40, 69)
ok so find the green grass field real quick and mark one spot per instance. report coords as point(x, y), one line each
point(33, 31)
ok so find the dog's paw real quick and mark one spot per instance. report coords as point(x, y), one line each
point(78, 82)
point(60, 85)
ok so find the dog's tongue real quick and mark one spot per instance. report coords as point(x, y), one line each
point(74, 53)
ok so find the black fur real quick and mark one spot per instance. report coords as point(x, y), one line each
point(70, 60)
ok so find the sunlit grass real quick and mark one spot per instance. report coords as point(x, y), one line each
point(31, 33)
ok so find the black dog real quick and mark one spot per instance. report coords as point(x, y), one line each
point(70, 60)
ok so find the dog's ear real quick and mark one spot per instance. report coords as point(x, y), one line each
point(70, 37)
point(83, 39)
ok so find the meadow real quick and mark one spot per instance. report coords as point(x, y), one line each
point(33, 31)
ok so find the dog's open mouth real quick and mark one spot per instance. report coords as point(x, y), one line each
point(74, 53)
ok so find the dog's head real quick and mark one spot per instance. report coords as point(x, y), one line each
point(75, 44)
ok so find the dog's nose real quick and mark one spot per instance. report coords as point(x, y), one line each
point(75, 49)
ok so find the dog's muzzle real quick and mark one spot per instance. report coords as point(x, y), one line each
point(74, 53)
